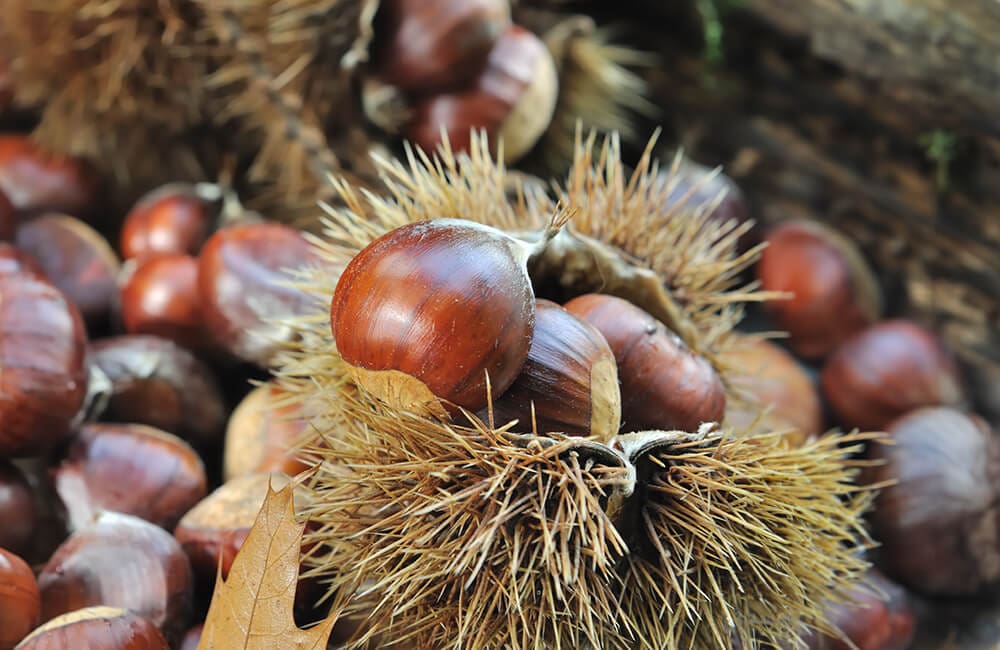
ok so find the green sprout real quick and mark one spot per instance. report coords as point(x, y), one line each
point(940, 147)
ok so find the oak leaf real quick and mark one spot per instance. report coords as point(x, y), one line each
point(252, 608)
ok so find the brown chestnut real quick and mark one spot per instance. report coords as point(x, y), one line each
point(42, 350)
point(887, 370)
point(157, 382)
point(834, 292)
point(128, 468)
point(6, 87)
point(937, 518)
point(431, 308)
point(18, 514)
point(425, 46)
point(14, 260)
point(174, 218)
point(192, 638)
point(664, 385)
point(160, 297)
point(8, 218)
point(262, 434)
point(20, 604)
point(97, 628)
point(513, 100)
point(243, 286)
point(77, 259)
point(569, 382)
point(120, 561)
point(36, 180)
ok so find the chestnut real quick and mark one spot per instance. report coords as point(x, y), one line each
point(936, 518)
point(129, 468)
point(42, 351)
point(14, 260)
point(243, 286)
point(887, 370)
point(569, 382)
point(6, 87)
point(192, 638)
point(834, 292)
point(104, 628)
point(513, 100)
point(120, 561)
point(8, 218)
point(154, 381)
point(77, 259)
point(175, 218)
point(36, 180)
point(160, 297)
point(262, 434)
point(425, 46)
point(664, 385)
point(432, 308)
point(18, 514)
point(20, 603)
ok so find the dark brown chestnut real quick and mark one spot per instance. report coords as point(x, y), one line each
point(160, 297)
point(76, 259)
point(937, 519)
point(157, 382)
point(128, 468)
point(14, 260)
point(18, 513)
point(569, 382)
point(97, 628)
point(243, 286)
point(262, 434)
point(6, 87)
point(888, 370)
point(513, 100)
point(664, 385)
point(834, 292)
point(36, 180)
point(175, 218)
point(192, 638)
point(431, 308)
point(42, 350)
point(20, 604)
point(8, 218)
point(120, 561)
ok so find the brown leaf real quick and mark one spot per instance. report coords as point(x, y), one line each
point(252, 608)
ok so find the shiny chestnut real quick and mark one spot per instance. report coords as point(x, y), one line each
point(262, 434)
point(173, 219)
point(664, 385)
point(97, 628)
point(36, 180)
point(160, 297)
point(8, 218)
point(14, 260)
point(20, 603)
point(18, 513)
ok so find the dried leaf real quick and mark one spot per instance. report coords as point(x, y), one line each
point(252, 608)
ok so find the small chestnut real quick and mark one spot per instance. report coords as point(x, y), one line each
point(513, 99)
point(664, 385)
point(175, 218)
point(76, 259)
point(20, 603)
point(18, 513)
point(97, 628)
point(569, 382)
point(160, 297)
point(429, 309)
point(243, 286)
point(834, 292)
point(262, 434)
point(936, 518)
point(14, 260)
point(887, 370)
point(8, 218)
point(154, 381)
point(36, 180)
point(120, 561)
point(128, 468)
point(42, 351)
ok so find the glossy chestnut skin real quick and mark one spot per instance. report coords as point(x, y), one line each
point(20, 604)
point(36, 180)
point(663, 384)
point(888, 370)
point(426, 46)
point(242, 271)
point(513, 99)
point(171, 219)
point(76, 259)
point(120, 561)
point(42, 349)
point(154, 381)
point(262, 434)
point(877, 616)
point(18, 514)
point(570, 376)
point(191, 638)
point(835, 292)
point(128, 468)
point(14, 260)
point(443, 301)
point(160, 297)
point(938, 524)
point(8, 218)
point(110, 628)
